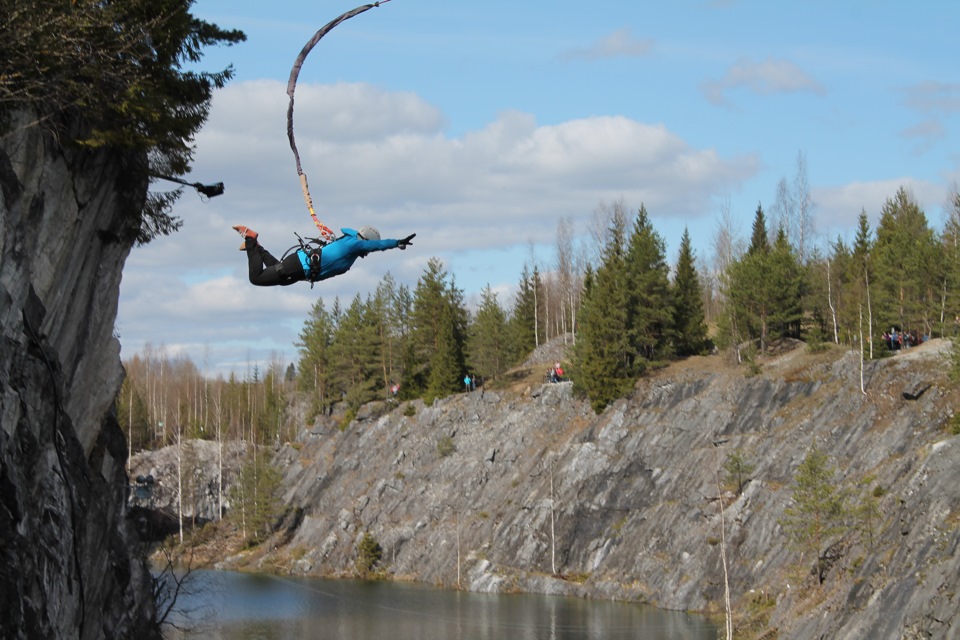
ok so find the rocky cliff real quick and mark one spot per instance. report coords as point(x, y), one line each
point(68, 567)
point(529, 490)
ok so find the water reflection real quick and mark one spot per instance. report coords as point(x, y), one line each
point(234, 606)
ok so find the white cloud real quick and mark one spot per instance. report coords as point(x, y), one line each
point(619, 44)
point(926, 134)
point(933, 97)
point(768, 77)
point(837, 208)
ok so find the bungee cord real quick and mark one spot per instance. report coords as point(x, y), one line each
point(326, 233)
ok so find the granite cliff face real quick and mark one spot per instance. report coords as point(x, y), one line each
point(68, 567)
point(503, 491)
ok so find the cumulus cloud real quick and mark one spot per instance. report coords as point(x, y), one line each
point(838, 207)
point(619, 44)
point(933, 97)
point(390, 164)
point(936, 101)
point(925, 135)
point(771, 76)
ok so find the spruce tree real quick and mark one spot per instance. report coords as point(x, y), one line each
point(354, 355)
point(689, 327)
point(785, 278)
point(314, 346)
point(950, 241)
point(523, 319)
point(439, 323)
point(909, 267)
point(647, 287)
point(603, 358)
point(748, 289)
point(862, 265)
point(487, 337)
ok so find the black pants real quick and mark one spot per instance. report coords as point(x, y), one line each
point(267, 271)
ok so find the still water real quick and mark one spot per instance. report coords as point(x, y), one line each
point(235, 606)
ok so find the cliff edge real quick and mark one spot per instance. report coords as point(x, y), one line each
point(69, 566)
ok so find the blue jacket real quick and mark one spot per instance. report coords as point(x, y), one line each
point(338, 256)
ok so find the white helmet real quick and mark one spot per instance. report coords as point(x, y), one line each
point(368, 233)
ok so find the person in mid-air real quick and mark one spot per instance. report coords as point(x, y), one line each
point(313, 264)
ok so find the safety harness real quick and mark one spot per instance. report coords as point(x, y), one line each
point(308, 251)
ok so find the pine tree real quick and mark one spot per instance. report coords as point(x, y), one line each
point(950, 241)
point(254, 496)
point(487, 337)
point(647, 287)
point(759, 236)
point(354, 355)
point(689, 327)
point(862, 264)
point(817, 515)
point(383, 311)
point(314, 346)
point(603, 358)
point(748, 289)
point(436, 362)
point(785, 277)
point(523, 320)
point(909, 271)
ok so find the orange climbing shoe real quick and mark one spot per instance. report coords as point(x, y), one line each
point(246, 232)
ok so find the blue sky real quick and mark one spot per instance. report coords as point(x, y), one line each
point(481, 125)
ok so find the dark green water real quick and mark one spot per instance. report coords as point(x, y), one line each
point(236, 606)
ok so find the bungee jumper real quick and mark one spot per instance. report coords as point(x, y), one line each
point(312, 260)
point(323, 257)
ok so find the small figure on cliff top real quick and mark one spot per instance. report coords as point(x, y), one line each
point(312, 260)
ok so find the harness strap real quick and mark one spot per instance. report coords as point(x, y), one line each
point(310, 261)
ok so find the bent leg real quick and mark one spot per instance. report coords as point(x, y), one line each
point(261, 265)
point(266, 271)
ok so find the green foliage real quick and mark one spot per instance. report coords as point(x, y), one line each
point(256, 505)
point(349, 416)
point(117, 70)
point(953, 425)
point(369, 555)
point(602, 356)
point(764, 289)
point(738, 470)
point(445, 446)
point(818, 513)
point(315, 370)
point(435, 363)
point(522, 326)
point(646, 286)
point(909, 267)
point(487, 338)
point(815, 341)
point(355, 354)
point(950, 244)
point(867, 515)
point(689, 328)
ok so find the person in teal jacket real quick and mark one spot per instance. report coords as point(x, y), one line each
point(313, 264)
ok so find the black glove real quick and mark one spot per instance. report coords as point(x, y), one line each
point(403, 244)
